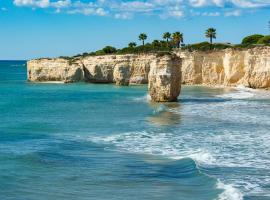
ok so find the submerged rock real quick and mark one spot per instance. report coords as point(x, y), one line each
point(165, 78)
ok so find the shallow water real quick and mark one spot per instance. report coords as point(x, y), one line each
point(85, 141)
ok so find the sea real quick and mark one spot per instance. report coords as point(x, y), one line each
point(104, 142)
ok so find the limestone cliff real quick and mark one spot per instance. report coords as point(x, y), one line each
point(42, 70)
point(229, 67)
point(119, 69)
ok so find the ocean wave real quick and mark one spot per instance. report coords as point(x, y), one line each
point(160, 145)
point(157, 144)
point(226, 150)
point(195, 146)
point(230, 192)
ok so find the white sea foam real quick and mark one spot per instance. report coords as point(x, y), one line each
point(196, 146)
point(144, 98)
point(242, 92)
point(52, 82)
point(155, 144)
point(230, 192)
point(239, 93)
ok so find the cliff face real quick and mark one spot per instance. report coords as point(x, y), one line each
point(119, 69)
point(229, 67)
point(54, 70)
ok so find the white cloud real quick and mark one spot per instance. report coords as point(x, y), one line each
point(173, 12)
point(123, 16)
point(123, 9)
point(33, 3)
point(89, 10)
point(137, 6)
point(202, 3)
point(251, 3)
point(211, 14)
point(61, 4)
point(198, 3)
point(237, 3)
point(234, 13)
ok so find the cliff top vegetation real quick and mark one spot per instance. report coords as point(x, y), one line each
point(174, 41)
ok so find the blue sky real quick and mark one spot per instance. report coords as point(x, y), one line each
point(42, 28)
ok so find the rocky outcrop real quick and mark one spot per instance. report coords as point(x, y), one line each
point(43, 70)
point(165, 78)
point(229, 67)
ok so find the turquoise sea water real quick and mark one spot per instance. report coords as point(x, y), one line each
point(102, 142)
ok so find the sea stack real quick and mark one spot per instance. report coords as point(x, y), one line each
point(165, 78)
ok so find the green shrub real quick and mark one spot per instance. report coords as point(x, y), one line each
point(109, 50)
point(203, 46)
point(206, 46)
point(220, 46)
point(252, 39)
point(99, 53)
point(156, 46)
point(264, 40)
point(242, 46)
point(127, 50)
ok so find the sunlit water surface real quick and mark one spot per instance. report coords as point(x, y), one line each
point(85, 141)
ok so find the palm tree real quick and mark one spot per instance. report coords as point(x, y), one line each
point(132, 44)
point(167, 36)
point(211, 33)
point(177, 38)
point(142, 37)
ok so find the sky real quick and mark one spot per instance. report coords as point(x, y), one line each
point(50, 28)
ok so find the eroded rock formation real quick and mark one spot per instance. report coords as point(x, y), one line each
point(165, 78)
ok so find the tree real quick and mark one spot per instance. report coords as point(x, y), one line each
point(177, 38)
point(142, 37)
point(109, 50)
point(264, 40)
point(252, 39)
point(167, 36)
point(132, 44)
point(211, 33)
point(156, 43)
